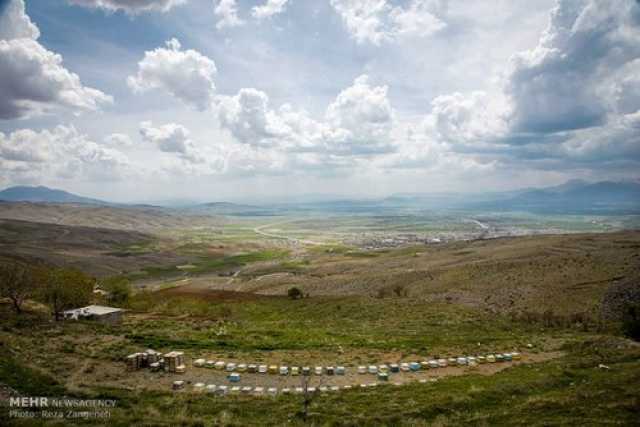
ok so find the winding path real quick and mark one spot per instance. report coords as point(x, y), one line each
point(258, 230)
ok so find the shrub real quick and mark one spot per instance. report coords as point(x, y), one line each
point(119, 290)
point(294, 293)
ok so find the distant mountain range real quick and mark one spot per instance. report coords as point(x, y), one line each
point(572, 197)
point(575, 197)
point(45, 195)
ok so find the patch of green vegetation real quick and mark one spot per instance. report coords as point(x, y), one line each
point(27, 381)
point(326, 323)
point(207, 265)
point(139, 248)
point(295, 267)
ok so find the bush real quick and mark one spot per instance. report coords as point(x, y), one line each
point(119, 290)
point(294, 293)
point(631, 322)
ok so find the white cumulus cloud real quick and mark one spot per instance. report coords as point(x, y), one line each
point(171, 138)
point(226, 12)
point(58, 153)
point(377, 21)
point(186, 74)
point(269, 8)
point(357, 123)
point(34, 80)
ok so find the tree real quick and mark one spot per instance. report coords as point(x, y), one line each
point(64, 289)
point(294, 293)
point(119, 290)
point(309, 394)
point(17, 282)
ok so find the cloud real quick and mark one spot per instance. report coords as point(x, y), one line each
point(249, 119)
point(269, 8)
point(466, 118)
point(572, 100)
point(421, 19)
point(132, 7)
point(118, 140)
point(357, 123)
point(562, 84)
point(15, 23)
point(58, 153)
point(376, 21)
point(361, 119)
point(227, 13)
point(171, 138)
point(186, 74)
point(34, 81)
point(24, 146)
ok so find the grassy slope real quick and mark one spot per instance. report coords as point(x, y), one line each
point(557, 392)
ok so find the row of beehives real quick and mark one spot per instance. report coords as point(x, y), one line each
point(259, 391)
point(155, 361)
point(341, 370)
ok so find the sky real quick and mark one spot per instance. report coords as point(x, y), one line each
point(140, 100)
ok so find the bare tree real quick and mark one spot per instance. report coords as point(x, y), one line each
point(17, 282)
point(307, 394)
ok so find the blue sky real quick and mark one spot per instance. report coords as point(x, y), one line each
point(223, 99)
